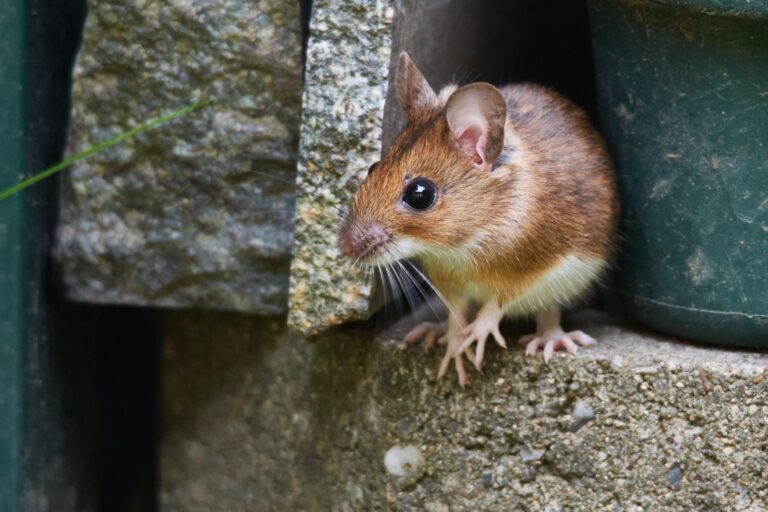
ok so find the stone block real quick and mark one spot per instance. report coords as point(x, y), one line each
point(198, 212)
point(637, 422)
point(345, 88)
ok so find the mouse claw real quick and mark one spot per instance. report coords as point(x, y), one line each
point(461, 372)
point(549, 342)
point(584, 339)
point(457, 356)
point(444, 364)
point(478, 332)
point(428, 332)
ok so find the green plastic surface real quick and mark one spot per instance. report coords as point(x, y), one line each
point(13, 18)
point(683, 102)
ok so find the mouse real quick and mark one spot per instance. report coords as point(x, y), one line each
point(506, 197)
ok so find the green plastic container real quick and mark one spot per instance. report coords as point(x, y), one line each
point(683, 102)
point(13, 20)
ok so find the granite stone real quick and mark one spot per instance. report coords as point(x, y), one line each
point(197, 212)
point(346, 82)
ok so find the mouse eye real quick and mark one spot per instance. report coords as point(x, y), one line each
point(420, 194)
point(373, 167)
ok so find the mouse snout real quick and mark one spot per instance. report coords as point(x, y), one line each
point(358, 241)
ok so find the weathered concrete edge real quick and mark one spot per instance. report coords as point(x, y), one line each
point(637, 422)
point(348, 59)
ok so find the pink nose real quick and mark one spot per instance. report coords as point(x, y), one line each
point(356, 241)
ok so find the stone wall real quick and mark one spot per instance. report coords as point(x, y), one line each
point(198, 212)
point(346, 82)
point(254, 418)
point(257, 419)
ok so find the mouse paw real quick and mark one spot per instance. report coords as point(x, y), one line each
point(452, 352)
point(430, 332)
point(556, 339)
point(485, 324)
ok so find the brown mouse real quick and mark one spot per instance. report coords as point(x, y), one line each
point(508, 199)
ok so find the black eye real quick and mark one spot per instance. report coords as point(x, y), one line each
point(373, 167)
point(420, 194)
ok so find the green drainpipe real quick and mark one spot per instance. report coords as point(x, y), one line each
point(13, 19)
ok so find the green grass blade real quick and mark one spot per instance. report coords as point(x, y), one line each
point(102, 146)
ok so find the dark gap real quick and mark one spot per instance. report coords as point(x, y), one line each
point(92, 385)
point(305, 9)
point(130, 398)
point(60, 407)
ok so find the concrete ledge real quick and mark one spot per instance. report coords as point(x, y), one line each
point(256, 419)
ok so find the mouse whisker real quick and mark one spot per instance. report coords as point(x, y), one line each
point(404, 288)
point(338, 209)
point(272, 210)
point(450, 308)
point(425, 296)
point(397, 299)
point(379, 281)
point(414, 284)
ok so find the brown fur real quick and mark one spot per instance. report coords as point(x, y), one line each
point(559, 168)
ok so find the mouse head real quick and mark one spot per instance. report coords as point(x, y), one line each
point(436, 190)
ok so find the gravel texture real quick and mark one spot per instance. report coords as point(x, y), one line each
point(257, 419)
point(198, 212)
point(346, 84)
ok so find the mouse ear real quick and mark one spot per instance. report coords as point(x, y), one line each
point(476, 115)
point(414, 93)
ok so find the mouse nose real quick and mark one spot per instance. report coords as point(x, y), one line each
point(356, 241)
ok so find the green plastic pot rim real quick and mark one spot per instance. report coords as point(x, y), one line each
point(710, 327)
point(756, 9)
point(689, 309)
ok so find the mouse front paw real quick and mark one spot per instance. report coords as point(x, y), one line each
point(486, 324)
point(430, 332)
point(452, 353)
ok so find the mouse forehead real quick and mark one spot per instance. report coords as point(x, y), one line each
point(418, 151)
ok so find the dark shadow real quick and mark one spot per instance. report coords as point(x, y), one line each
point(454, 41)
point(92, 376)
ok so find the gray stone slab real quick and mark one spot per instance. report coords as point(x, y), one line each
point(184, 215)
point(345, 89)
point(637, 422)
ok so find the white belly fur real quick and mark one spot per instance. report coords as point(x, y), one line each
point(561, 285)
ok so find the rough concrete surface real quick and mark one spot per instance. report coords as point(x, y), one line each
point(197, 212)
point(256, 419)
point(345, 87)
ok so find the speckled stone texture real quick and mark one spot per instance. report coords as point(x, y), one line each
point(637, 422)
point(198, 212)
point(346, 83)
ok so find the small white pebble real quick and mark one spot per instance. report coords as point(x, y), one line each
point(582, 411)
point(528, 454)
point(403, 460)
